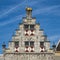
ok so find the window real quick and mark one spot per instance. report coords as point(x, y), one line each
point(26, 46)
point(41, 43)
point(31, 27)
point(26, 43)
point(31, 43)
point(26, 26)
point(32, 46)
point(17, 44)
point(29, 46)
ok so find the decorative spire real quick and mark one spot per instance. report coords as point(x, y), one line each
point(28, 13)
point(29, 9)
point(3, 45)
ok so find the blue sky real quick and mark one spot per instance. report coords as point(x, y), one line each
point(47, 13)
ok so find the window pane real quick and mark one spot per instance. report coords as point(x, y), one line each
point(32, 27)
point(16, 43)
point(26, 26)
point(26, 43)
point(31, 43)
point(41, 43)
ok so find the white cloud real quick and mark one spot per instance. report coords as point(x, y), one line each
point(11, 20)
point(12, 9)
point(47, 10)
point(37, 11)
